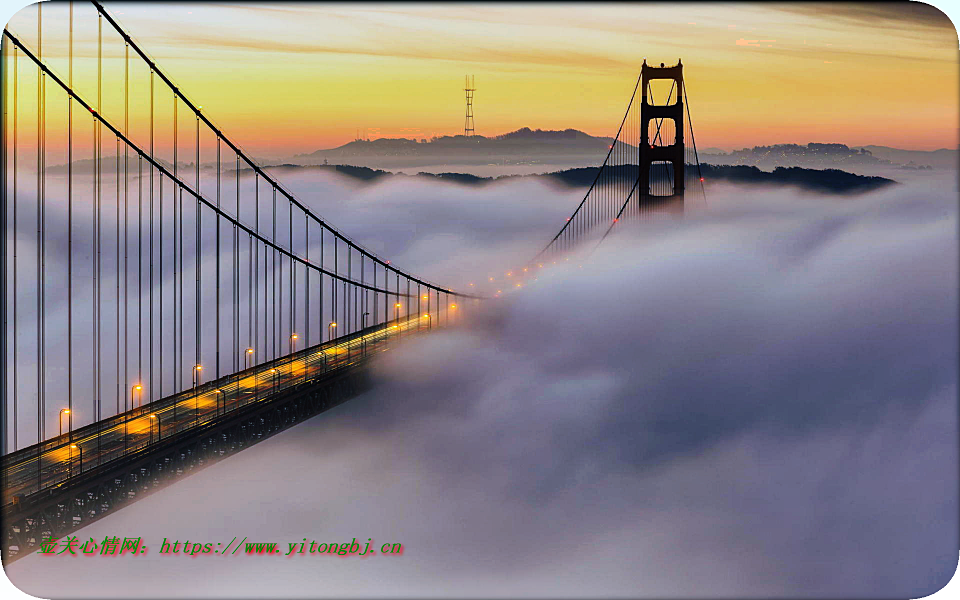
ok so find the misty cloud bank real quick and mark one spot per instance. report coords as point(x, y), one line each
point(758, 400)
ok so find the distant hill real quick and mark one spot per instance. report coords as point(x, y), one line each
point(522, 143)
point(829, 181)
point(943, 158)
point(819, 156)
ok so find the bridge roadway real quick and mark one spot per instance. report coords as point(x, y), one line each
point(53, 463)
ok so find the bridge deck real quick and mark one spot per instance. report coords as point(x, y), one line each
point(51, 464)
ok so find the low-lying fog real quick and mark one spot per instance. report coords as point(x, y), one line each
point(757, 400)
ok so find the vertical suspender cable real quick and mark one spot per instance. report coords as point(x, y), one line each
point(119, 304)
point(273, 271)
point(150, 386)
point(15, 344)
point(217, 273)
point(293, 273)
point(306, 303)
point(4, 392)
point(235, 276)
point(140, 274)
point(177, 270)
point(256, 276)
point(197, 267)
point(126, 217)
point(70, 226)
point(40, 235)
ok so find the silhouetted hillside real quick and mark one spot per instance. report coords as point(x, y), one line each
point(830, 181)
point(524, 142)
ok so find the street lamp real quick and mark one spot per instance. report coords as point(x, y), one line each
point(196, 399)
point(71, 459)
point(274, 372)
point(330, 328)
point(64, 411)
point(293, 342)
point(363, 339)
point(396, 316)
point(224, 396)
point(157, 419)
point(134, 389)
point(248, 356)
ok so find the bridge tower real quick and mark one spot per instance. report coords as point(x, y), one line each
point(664, 161)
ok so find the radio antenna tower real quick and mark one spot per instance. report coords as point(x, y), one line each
point(468, 121)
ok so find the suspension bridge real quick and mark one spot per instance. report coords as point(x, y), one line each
point(167, 302)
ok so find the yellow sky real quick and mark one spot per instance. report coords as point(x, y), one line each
point(287, 78)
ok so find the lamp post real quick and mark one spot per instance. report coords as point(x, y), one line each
point(293, 342)
point(363, 338)
point(64, 411)
point(224, 396)
point(72, 446)
point(429, 320)
point(136, 389)
point(274, 373)
point(157, 419)
point(196, 399)
point(396, 316)
point(248, 356)
point(330, 328)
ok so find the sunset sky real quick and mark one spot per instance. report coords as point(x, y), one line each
point(289, 78)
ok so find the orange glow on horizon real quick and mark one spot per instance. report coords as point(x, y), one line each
point(757, 74)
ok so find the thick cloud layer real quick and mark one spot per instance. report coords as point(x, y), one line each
point(758, 400)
